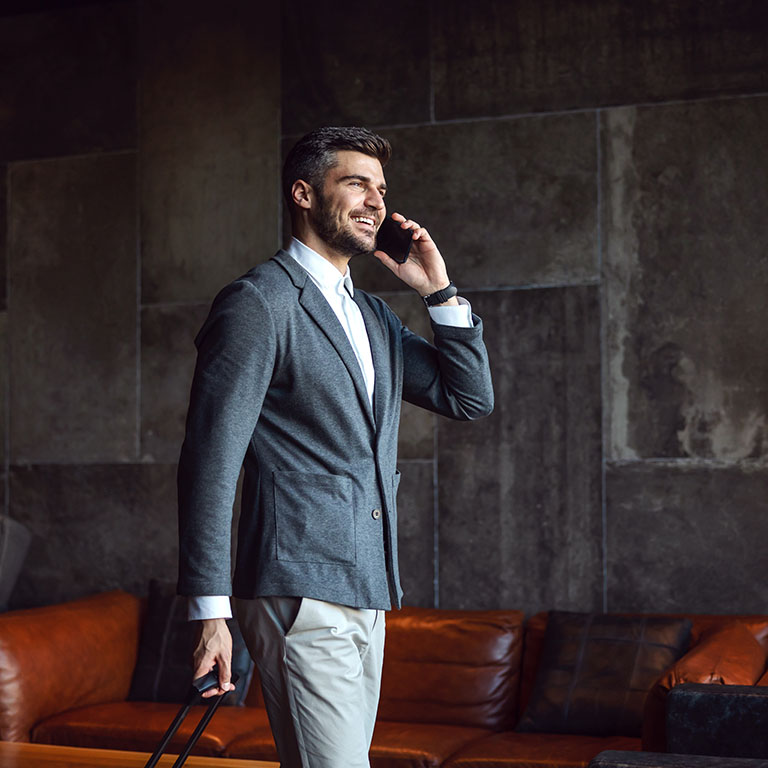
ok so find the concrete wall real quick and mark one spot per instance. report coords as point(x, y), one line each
point(141, 150)
point(594, 173)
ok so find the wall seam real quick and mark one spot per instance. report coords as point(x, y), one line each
point(76, 156)
point(139, 178)
point(603, 365)
point(6, 405)
point(431, 61)
point(496, 289)
point(435, 516)
point(553, 113)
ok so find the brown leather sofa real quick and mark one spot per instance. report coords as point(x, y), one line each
point(454, 685)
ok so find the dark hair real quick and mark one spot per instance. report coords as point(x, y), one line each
point(315, 153)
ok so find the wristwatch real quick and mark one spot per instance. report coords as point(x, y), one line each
point(440, 297)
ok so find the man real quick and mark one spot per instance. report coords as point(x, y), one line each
point(299, 380)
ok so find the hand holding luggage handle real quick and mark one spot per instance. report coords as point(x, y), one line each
point(198, 687)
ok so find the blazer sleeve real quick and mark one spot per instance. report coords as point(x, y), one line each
point(235, 361)
point(451, 377)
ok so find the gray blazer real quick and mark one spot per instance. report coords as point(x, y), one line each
point(278, 390)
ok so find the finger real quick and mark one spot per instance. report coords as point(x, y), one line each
point(225, 673)
point(387, 261)
point(398, 216)
point(409, 224)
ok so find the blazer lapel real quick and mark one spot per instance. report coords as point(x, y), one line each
point(379, 353)
point(313, 301)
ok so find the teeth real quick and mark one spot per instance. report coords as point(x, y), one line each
point(363, 220)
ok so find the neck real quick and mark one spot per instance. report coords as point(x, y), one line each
point(311, 240)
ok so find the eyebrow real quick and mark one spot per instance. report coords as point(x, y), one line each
point(362, 178)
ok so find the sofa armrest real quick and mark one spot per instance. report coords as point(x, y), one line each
point(63, 656)
point(720, 720)
point(725, 655)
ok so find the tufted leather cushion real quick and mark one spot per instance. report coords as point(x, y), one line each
point(87, 657)
point(596, 670)
point(139, 726)
point(539, 750)
point(451, 667)
point(164, 665)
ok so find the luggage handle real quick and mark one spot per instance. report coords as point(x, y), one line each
point(198, 687)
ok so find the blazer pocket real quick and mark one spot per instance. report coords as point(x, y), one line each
point(314, 518)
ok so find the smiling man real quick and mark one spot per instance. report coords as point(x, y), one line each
point(299, 380)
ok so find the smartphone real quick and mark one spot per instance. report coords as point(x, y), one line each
point(393, 240)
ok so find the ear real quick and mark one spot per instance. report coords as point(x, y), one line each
point(301, 193)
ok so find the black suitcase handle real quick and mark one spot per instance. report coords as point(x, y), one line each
point(198, 687)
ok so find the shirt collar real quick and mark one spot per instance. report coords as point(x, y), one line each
point(322, 272)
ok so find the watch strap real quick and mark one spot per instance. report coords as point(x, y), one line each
point(441, 296)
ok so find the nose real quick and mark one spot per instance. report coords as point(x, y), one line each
point(374, 199)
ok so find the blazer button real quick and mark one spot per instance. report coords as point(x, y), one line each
point(376, 514)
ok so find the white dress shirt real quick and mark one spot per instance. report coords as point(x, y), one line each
point(338, 292)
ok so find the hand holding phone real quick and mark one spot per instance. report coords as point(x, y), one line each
point(394, 240)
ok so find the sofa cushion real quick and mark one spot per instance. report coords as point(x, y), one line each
point(394, 745)
point(596, 671)
point(255, 744)
point(542, 750)
point(728, 655)
point(62, 656)
point(452, 667)
point(139, 726)
point(409, 745)
point(164, 667)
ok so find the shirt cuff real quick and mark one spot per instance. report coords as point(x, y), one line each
point(208, 607)
point(460, 316)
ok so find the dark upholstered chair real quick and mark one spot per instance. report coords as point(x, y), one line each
point(614, 759)
point(719, 720)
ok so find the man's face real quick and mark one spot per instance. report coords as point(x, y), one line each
point(350, 205)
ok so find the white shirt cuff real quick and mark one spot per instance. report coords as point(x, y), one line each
point(208, 607)
point(460, 316)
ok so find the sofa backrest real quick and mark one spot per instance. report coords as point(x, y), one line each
point(63, 656)
point(535, 629)
point(452, 667)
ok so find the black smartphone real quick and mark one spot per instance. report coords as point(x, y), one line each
point(393, 240)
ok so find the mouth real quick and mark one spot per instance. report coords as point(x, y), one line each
point(368, 222)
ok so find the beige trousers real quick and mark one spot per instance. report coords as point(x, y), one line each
point(320, 667)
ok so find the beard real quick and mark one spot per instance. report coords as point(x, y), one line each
point(336, 234)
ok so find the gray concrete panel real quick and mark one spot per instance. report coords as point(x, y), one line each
point(168, 357)
point(416, 533)
point(3, 236)
point(520, 491)
point(3, 399)
point(344, 65)
point(210, 92)
point(72, 314)
point(94, 528)
point(508, 202)
point(68, 81)
point(687, 538)
point(686, 273)
point(494, 57)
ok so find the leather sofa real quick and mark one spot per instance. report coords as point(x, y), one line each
point(454, 685)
